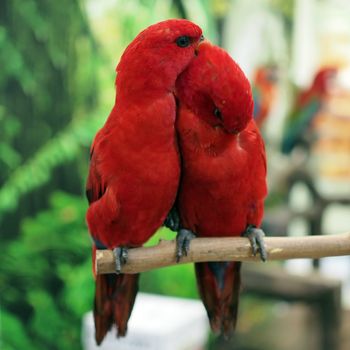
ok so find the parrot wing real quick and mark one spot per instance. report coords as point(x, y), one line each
point(110, 305)
point(297, 124)
point(94, 188)
point(104, 207)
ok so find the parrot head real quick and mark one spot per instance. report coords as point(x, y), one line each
point(322, 84)
point(160, 53)
point(215, 88)
point(266, 75)
point(323, 79)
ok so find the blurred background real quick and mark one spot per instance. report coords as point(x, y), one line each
point(57, 87)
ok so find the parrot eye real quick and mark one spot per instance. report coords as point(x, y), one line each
point(183, 41)
point(217, 113)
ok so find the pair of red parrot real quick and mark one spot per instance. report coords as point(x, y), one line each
point(180, 139)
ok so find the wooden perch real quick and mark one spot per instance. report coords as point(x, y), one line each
point(225, 249)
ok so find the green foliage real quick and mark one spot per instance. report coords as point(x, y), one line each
point(177, 281)
point(66, 146)
point(46, 277)
point(48, 82)
point(47, 118)
point(13, 333)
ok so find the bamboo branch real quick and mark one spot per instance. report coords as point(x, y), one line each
point(225, 249)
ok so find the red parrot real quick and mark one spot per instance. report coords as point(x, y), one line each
point(307, 105)
point(264, 92)
point(135, 165)
point(223, 179)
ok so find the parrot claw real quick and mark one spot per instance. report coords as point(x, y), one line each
point(183, 240)
point(256, 238)
point(121, 258)
point(173, 220)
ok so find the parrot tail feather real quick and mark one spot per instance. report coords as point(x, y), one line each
point(219, 287)
point(114, 299)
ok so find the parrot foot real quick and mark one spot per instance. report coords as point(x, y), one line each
point(256, 238)
point(121, 258)
point(183, 240)
point(173, 220)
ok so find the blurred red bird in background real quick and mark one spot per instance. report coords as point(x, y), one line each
point(264, 92)
point(135, 165)
point(307, 104)
point(223, 180)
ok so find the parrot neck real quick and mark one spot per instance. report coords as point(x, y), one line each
point(307, 96)
point(151, 120)
point(144, 77)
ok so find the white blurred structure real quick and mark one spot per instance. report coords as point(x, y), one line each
point(305, 42)
point(254, 35)
point(157, 323)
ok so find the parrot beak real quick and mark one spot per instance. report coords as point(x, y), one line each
point(231, 132)
point(200, 41)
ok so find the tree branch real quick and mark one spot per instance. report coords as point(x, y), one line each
point(226, 249)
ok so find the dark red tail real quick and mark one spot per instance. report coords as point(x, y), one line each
point(114, 299)
point(219, 287)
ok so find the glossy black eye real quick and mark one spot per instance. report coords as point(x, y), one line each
point(217, 113)
point(183, 41)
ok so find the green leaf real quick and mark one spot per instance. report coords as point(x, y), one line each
point(13, 335)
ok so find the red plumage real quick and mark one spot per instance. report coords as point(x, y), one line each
point(223, 181)
point(135, 167)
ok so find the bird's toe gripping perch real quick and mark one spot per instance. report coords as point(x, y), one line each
point(183, 240)
point(256, 238)
point(121, 258)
